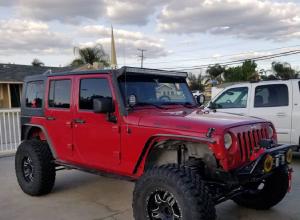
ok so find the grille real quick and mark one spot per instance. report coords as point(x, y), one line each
point(248, 141)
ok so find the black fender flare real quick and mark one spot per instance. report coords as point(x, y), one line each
point(27, 129)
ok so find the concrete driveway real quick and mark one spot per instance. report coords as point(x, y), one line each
point(83, 196)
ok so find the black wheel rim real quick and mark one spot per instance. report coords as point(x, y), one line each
point(162, 205)
point(28, 169)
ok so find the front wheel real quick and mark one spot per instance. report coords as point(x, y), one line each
point(267, 193)
point(172, 192)
point(34, 167)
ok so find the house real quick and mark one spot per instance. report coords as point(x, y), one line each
point(166, 91)
point(11, 81)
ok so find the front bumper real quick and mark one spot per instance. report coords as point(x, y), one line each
point(255, 169)
point(253, 172)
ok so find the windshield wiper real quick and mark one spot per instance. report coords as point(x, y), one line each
point(151, 104)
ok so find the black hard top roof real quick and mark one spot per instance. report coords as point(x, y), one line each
point(118, 72)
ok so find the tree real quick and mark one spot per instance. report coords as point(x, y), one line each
point(266, 75)
point(215, 72)
point(245, 72)
point(283, 70)
point(37, 62)
point(90, 55)
point(195, 82)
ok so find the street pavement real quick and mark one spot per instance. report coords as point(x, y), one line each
point(82, 196)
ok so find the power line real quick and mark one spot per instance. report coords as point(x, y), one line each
point(228, 55)
point(142, 57)
point(258, 58)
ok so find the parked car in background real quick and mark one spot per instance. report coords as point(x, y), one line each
point(277, 101)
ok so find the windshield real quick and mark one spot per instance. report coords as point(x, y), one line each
point(156, 90)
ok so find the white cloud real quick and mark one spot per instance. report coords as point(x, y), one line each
point(69, 11)
point(25, 36)
point(135, 12)
point(132, 11)
point(257, 19)
point(126, 41)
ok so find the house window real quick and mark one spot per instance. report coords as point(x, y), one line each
point(60, 94)
point(1, 92)
point(15, 95)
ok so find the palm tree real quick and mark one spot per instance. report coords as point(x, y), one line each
point(215, 73)
point(90, 55)
point(37, 62)
point(284, 70)
point(196, 82)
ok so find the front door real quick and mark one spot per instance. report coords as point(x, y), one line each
point(233, 100)
point(96, 140)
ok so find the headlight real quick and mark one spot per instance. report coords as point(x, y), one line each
point(227, 141)
point(270, 131)
point(268, 163)
point(289, 156)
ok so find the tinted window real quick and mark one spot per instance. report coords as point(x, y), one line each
point(233, 98)
point(159, 90)
point(59, 93)
point(34, 94)
point(271, 96)
point(91, 89)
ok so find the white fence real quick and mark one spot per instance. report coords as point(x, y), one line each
point(9, 130)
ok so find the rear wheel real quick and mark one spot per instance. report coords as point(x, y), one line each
point(34, 167)
point(267, 193)
point(172, 192)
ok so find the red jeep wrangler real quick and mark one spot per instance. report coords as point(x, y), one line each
point(144, 125)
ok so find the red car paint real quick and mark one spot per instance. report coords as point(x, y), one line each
point(117, 147)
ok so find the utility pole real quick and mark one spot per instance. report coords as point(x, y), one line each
point(142, 57)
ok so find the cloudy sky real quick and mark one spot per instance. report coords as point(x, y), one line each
point(174, 33)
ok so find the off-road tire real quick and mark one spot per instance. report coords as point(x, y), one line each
point(189, 191)
point(43, 171)
point(276, 187)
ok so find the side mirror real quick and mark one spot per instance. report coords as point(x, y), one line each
point(200, 99)
point(103, 105)
point(212, 105)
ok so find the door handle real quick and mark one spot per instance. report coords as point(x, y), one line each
point(280, 114)
point(79, 121)
point(50, 118)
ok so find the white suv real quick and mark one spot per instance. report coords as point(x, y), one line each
point(277, 101)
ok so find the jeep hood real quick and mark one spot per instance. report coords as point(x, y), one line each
point(189, 120)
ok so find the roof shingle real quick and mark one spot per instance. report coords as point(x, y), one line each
point(17, 73)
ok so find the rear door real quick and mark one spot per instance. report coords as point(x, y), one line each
point(273, 102)
point(233, 100)
point(295, 134)
point(58, 113)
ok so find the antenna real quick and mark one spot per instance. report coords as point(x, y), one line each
point(142, 56)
